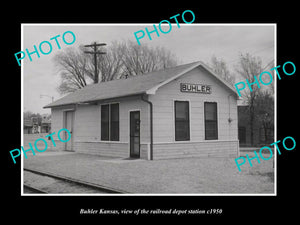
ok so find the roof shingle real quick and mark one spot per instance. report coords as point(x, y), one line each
point(123, 87)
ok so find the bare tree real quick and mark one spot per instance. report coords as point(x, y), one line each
point(109, 65)
point(72, 65)
point(220, 68)
point(121, 58)
point(249, 67)
point(265, 114)
point(271, 86)
point(140, 59)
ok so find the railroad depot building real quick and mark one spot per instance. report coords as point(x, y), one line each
point(184, 111)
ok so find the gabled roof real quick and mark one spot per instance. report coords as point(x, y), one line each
point(141, 84)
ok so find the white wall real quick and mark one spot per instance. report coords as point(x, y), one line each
point(163, 101)
point(87, 132)
point(164, 123)
point(87, 127)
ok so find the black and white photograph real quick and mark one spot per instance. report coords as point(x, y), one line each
point(148, 109)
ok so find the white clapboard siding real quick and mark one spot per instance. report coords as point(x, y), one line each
point(196, 149)
point(164, 124)
point(87, 122)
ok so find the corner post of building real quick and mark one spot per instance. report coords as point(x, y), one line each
point(151, 125)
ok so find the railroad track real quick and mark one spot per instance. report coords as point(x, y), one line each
point(33, 190)
point(60, 184)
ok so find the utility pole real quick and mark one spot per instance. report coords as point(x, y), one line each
point(47, 96)
point(95, 51)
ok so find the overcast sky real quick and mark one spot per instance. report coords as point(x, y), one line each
point(190, 43)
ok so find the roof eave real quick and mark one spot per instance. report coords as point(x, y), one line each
point(95, 100)
point(153, 90)
point(220, 79)
point(58, 105)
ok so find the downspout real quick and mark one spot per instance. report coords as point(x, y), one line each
point(151, 125)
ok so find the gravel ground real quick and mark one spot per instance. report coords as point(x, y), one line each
point(191, 175)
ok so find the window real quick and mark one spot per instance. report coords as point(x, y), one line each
point(242, 135)
point(110, 122)
point(182, 121)
point(211, 120)
point(105, 122)
point(114, 122)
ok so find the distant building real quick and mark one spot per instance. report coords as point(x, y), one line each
point(261, 136)
point(36, 125)
point(27, 126)
point(45, 125)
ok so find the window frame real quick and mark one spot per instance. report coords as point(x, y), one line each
point(188, 138)
point(216, 137)
point(109, 129)
point(111, 121)
point(101, 124)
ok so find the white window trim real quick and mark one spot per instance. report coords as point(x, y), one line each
point(190, 118)
point(218, 118)
point(100, 107)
